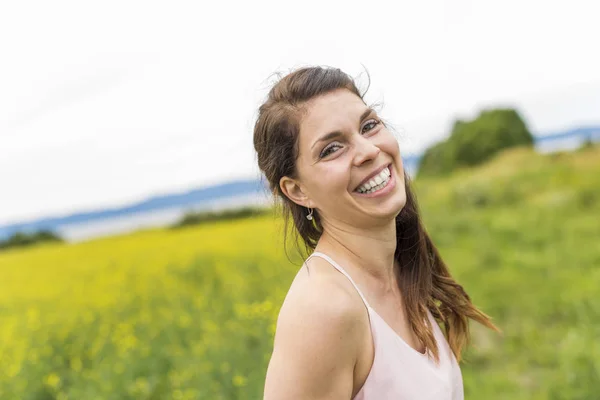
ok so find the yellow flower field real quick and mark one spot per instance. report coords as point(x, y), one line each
point(184, 314)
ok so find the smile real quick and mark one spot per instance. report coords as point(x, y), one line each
point(377, 183)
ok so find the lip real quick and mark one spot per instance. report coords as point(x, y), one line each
point(377, 172)
point(387, 189)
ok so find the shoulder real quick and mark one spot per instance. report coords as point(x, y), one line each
point(319, 329)
point(319, 291)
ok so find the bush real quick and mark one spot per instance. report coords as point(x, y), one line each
point(20, 239)
point(191, 218)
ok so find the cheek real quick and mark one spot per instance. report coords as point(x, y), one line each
point(391, 144)
point(329, 181)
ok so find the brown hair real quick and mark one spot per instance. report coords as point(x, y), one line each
point(423, 278)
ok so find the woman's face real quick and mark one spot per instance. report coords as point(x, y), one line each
point(342, 143)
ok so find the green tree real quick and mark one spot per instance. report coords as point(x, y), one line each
point(472, 142)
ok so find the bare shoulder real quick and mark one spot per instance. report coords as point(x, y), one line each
point(317, 337)
point(319, 291)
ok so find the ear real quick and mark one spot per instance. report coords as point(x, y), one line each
point(294, 191)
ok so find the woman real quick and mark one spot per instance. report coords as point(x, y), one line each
point(359, 320)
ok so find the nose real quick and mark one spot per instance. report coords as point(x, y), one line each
point(365, 150)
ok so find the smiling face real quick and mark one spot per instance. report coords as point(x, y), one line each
point(349, 166)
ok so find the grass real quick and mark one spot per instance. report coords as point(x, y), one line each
point(190, 313)
point(521, 234)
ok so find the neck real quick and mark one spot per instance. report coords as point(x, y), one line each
point(370, 250)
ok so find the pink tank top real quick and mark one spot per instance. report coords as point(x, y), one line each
point(400, 372)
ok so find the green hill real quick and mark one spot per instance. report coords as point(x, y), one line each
point(522, 234)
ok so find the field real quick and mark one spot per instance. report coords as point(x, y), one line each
point(190, 313)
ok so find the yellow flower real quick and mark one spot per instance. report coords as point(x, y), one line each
point(52, 380)
point(239, 381)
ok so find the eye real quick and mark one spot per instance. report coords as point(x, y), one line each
point(372, 123)
point(328, 150)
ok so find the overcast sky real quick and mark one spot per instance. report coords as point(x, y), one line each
point(106, 103)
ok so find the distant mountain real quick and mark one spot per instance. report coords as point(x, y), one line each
point(192, 198)
point(591, 133)
point(169, 206)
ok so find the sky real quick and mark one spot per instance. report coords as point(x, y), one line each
point(107, 103)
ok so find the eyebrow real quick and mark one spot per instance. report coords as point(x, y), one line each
point(335, 134)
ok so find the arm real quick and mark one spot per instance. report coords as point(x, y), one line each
point(315, 348)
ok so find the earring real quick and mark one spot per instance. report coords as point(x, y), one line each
point(310, 214)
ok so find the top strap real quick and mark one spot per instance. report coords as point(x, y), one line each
point(339, 268)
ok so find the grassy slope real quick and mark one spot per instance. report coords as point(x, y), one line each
point(190, 314)
point(521, 233)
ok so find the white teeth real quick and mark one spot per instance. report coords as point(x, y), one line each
point(376, 183)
